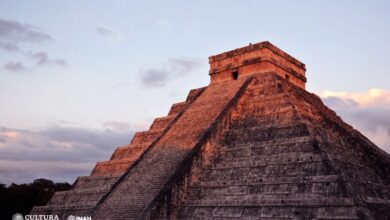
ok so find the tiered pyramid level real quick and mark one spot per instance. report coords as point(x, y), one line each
point(251, 145)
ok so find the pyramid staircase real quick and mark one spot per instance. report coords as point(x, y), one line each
point(153, 173)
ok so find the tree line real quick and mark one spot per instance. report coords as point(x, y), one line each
point(21, 198)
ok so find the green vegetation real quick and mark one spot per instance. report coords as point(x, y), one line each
point(21, 198)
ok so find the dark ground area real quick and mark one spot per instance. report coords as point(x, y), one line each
point(21, 198)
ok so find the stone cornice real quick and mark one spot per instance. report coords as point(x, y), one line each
point(258, 60)
point(258, 46)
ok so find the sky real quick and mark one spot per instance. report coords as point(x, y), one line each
point(78, 78)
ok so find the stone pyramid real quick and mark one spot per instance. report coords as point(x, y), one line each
point(253, 144)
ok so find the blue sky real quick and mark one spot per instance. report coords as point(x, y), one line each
point(79, 77)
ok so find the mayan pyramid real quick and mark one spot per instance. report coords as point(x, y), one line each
point(253, 144)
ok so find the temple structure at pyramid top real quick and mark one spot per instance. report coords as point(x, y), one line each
point(257, 58)
point(253, 144)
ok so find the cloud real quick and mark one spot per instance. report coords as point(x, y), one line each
point(14, 35)
point(14, 67)
point(11, 47)
point(105, 32)
point(25, 171)
point(15, 32)
point(58, 152)
point(117, 125)
point(367, 111)
point(154, 77)
point(182, 66)
point(42, 58)
point(339, 103)
point(174, 67)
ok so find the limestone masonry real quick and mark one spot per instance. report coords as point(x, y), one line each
point(253, 144)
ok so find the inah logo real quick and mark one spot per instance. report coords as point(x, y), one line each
point(72, 217)
point(17, 216)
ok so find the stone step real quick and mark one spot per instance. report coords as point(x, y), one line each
point(194, 93)
point(288, 190)
point(252, 150)
point(268, 180)
point(120, 150)
point(267, 100)
point(328, 185)
point(266, 105)
point(269, 110)
point(270, 200)
point(267, 120)
point(132, 151)
point(269, 212)
point(162, 122)
point(146, 136)
point(177, 108)
point(289, 141)
point(262, 160)
point(112, 167)
point(92, 182)
point(180, 106)
point(261, 133)
point(360, 172)
point(291, 169)
point(274, 142)
point(371, 190)
point(83, 197)
point(265, 90)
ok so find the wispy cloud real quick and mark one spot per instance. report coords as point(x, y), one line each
point(15, 32)
point(182, 66)
point(15, 35)
point(12, 33)
point(117, 125)
point(154, 77)
point(15, 67)
point(42, 58)
point(174, 67)
point(372, 97)
point(10, 47)
point(57, 152)
point(105, 32)
point(366, 111)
